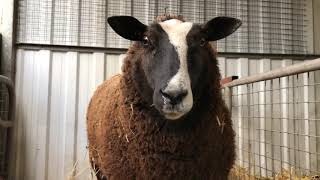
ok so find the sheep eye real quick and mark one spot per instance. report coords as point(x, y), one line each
point(203, 42)
point(145, 41)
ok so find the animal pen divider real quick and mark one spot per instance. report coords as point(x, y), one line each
point(276, 117)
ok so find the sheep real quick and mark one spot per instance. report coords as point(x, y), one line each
point(164, 117)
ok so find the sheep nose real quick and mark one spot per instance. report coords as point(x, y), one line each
point(175, 96)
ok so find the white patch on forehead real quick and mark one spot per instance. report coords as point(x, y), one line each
point(170, 22)
point(177, 32)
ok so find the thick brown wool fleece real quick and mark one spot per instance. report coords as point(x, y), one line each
point(129, 139)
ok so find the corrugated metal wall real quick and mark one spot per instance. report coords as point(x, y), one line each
point(53, 90)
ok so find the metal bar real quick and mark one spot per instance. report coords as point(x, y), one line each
point(261, 113)
point(265, 167)
point(272, 137)
point(260, 162)
point(255, 130)
point(248, 122)
point(65, 48)
point(277, 73)
point(281, 126)
point(239, 123)
point(306, 116)
point(298, 127)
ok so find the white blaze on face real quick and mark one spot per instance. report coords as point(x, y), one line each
point(177, 32)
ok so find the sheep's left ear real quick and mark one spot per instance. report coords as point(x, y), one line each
point(221, 27)
point(128, 27)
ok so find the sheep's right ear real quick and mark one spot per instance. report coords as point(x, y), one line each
point(128, 27)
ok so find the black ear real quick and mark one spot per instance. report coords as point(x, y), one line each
point(221, 27)
point(128, 27)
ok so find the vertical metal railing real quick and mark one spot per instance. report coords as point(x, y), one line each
point(276, 116)
point(7, 99)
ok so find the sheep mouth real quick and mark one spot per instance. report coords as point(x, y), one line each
point(174, 112)
point(173, 115)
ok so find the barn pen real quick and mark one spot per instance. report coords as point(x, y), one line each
point(55, 53)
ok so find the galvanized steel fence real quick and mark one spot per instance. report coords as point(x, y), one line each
point(276, 116)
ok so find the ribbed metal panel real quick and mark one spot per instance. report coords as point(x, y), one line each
point(269, 26)
point(53, 90)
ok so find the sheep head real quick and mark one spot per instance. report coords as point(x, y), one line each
point(174, 57)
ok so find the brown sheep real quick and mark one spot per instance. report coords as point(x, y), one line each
point(164, 117)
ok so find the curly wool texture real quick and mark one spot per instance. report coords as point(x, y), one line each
point(129, 139)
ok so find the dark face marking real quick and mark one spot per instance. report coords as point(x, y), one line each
point(160, 59)
point(167, 68)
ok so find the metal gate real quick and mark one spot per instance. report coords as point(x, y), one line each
point(276, 116)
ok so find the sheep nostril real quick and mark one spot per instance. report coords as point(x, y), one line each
point(181, 95)
point(165, 94)
point(175, 96)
